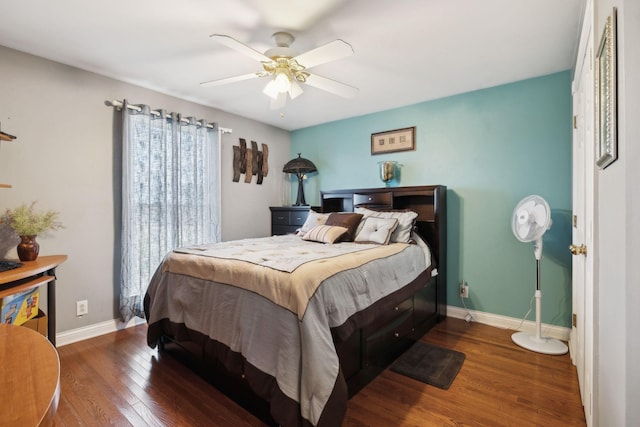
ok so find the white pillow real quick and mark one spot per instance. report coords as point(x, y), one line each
point(313, 219)
point(376, 230)
point(402, 234)
point(324, 233)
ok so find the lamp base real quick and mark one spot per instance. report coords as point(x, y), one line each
point(300, 201)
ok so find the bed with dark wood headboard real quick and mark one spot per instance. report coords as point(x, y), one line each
point(363, 345)
point(370, 349)
point(428, 201)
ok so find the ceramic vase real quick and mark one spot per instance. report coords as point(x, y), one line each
point(28, 248)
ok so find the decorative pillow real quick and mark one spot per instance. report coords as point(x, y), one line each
point(313, 219)
point(376, 230)
point(324, 233)
point(405, 222)
point(347, 220)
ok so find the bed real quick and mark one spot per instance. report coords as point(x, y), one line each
point(290, 327)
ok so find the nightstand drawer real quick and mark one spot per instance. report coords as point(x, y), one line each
point(289, 218)
point(298, 217)
point(280, 218)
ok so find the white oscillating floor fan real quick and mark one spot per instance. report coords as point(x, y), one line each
point(531, 219)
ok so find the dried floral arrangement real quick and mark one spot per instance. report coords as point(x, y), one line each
point(27, 221)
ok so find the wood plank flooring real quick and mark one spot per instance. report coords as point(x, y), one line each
point(115, 379)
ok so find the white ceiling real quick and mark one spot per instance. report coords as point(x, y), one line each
point(406, 51)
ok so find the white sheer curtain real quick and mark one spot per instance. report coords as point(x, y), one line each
point(170, 194)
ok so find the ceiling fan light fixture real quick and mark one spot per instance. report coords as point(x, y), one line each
point(282, 81)
point(295, 90)
point(275, 87)
point(270, 90)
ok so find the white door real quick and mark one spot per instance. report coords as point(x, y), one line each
point(582, 333)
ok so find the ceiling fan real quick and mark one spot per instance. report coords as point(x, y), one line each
point(288, 68)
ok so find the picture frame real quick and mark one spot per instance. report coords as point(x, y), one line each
point(392, 141)
point(606, 122)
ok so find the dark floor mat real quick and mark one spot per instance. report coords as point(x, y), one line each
point(430, 364)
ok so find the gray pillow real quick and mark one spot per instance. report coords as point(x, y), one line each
point(405, 218)
point(376, 230)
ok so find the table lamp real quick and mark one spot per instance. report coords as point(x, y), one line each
point(300, 166)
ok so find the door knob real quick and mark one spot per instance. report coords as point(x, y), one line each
point(578, 250)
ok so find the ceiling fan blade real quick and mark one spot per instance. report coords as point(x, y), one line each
point(331, 86)
point(232, 79)
point(279, 102)
point(331, 51)
point(240, 47)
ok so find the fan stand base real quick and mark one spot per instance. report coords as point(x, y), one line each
point(543, 345)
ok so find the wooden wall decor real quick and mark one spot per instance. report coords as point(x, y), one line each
point(250, 161)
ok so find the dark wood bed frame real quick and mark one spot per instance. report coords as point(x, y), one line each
point(394, 324)
point(371, 339)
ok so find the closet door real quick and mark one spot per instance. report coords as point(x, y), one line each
point(582, 332)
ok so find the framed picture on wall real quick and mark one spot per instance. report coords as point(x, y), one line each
point(392, 141)
point(606, 99)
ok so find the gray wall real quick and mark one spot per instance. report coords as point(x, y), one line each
point(66, 158)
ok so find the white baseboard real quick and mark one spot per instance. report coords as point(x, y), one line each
point(95, 330)
point(504, 322)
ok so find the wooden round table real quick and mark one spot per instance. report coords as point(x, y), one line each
point(29, 377)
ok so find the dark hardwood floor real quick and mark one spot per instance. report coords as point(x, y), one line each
point(115, 379)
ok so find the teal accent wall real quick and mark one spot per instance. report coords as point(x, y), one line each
point(491, 148)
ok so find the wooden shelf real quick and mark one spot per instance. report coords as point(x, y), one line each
point(31, 268)
point(29, 284)
point(5, 185)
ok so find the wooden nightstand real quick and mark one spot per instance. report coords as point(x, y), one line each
point(287, 219)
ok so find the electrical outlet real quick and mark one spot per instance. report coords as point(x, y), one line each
point(82, 308)
point(464, 289)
